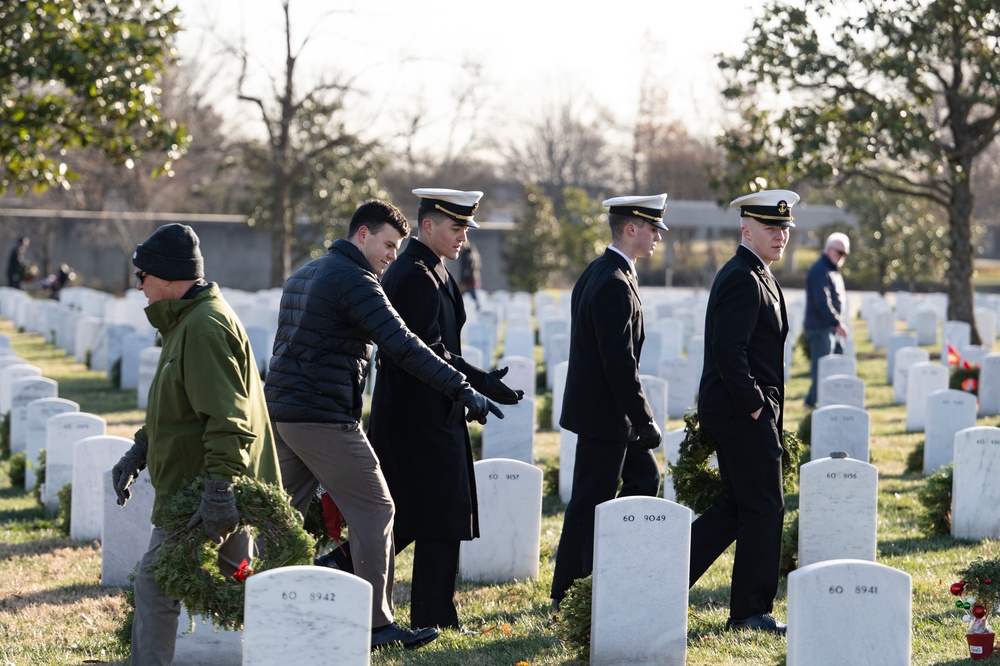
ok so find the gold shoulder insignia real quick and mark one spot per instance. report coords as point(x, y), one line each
point(420, 262)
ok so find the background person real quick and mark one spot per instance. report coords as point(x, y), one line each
point(18, 266)
point(825, 319)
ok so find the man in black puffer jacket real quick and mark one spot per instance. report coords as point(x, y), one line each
point(332, 310)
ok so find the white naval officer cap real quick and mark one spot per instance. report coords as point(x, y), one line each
point(649, 208)
point(773, 207)
point(456, 204)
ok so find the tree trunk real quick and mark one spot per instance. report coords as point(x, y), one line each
point(960, 292)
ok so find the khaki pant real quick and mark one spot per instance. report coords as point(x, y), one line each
point(339, 456)
point(154, 630)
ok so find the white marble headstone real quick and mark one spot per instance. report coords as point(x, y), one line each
point(510, 518)
point(149, 360)
point(926, 324)
point(519, 342)
point(838, 510)
point(649, 357)
point(567, 463)
point(956, 334)
point(91, 457)
point(639, 605)
point(87, 327)
point(556, 352)
point(989, 385)
point(22, 392)
point(975, 494)
point(905, 358)
point(948, 411)
point(61, 432)
point(125, 529)
point(881, 327)
point(132, 346)
point(849, 612)
point(656, 391)
point(513, 436)
point(10, 374)
point(473, 355)
point(922, 379)
point(558, 389)
point(682, 385)
point(308, 616)
point(671, 338)
point(986, 326)
point(840, 428)
point(520, 374)
point(836, 364)
point(897, 341)
point(841, 390)
point(39, 412)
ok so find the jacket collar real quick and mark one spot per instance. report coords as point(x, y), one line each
point(165, 315)
point(351, 251)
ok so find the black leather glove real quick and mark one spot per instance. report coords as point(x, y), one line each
point(124, 473)
point(479, 405)
point(649, 435)
point(494, 388)
point(217, 510)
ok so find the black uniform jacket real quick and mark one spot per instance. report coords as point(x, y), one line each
point(420, 435)
point(603, 398)
point(745, 331)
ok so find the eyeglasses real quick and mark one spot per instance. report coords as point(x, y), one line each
point(140, 276)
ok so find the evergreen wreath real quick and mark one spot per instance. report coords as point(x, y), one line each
point(697, 485)
point(186, 564)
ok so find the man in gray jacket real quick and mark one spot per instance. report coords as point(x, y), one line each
point(332, 310)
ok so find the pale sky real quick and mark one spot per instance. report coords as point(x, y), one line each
point(534, 54)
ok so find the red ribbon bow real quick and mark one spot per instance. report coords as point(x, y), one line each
point(243, 572)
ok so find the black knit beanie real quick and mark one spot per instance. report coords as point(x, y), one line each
point(171, 253)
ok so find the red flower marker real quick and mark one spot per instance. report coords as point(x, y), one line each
point(243, 572)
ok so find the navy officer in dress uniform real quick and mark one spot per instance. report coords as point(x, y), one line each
point(421, 436)
point(740, 405)
point(603, 402)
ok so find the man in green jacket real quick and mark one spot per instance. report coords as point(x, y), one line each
point(206, 417)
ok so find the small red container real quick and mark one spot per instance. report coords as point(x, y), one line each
point(981, 645)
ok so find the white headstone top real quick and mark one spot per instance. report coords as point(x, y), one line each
point(513, 436)
point(22, 392)
point(61, 432)
point(125, 529)
point(39, 412)
point(305, 615)
point(849, 612)
point(975, 494)
point(840, 428)
point(948, 411)
point(510, 515)
point(838, 510)
point(91, 456)
point(640, 603)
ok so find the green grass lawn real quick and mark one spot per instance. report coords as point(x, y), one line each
point(54, 611)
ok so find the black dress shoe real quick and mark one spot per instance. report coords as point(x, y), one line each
point(758, 622)
point(394, 635)
point(326, 560)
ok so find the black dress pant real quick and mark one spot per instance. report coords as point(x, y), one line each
point(432, 594)
point(598, 468)
point(751, 512)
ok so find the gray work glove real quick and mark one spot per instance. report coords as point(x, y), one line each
point(124, 473)
point(479, 405)
point(649, 435)
point(217, 510)
point(494, 388)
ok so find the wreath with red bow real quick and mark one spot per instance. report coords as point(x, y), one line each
point(186, 564)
